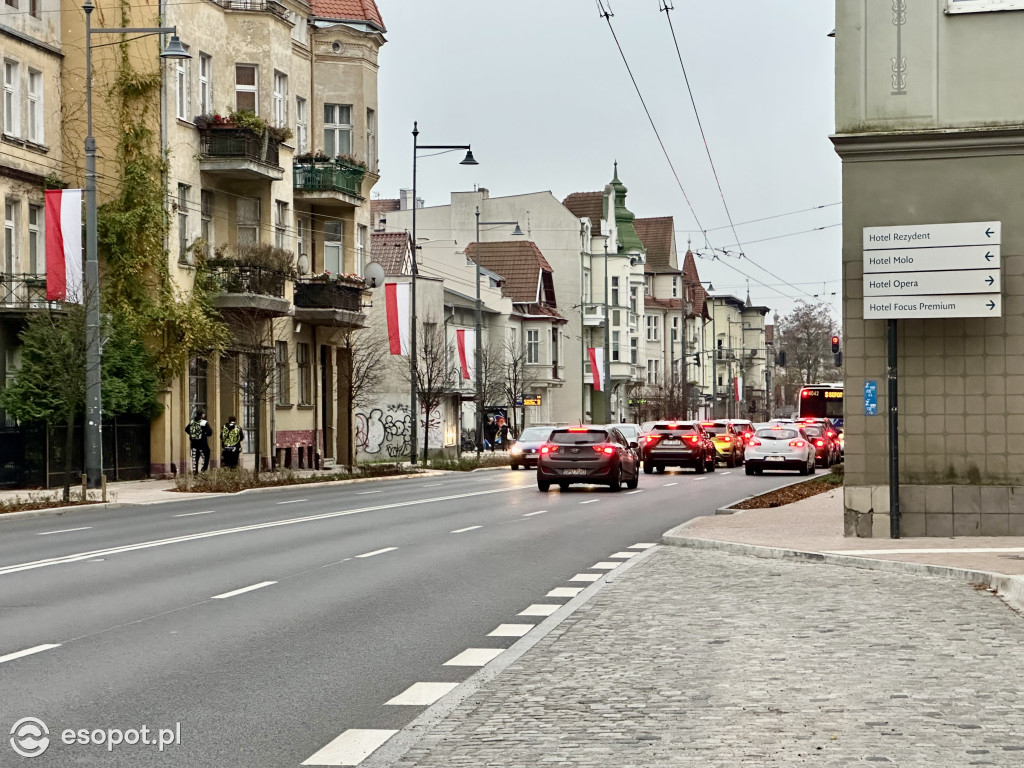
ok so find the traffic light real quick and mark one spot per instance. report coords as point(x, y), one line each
point(835, 345)
point(839, 359)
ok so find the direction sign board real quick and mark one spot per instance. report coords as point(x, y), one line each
point(933, 270)
point(870, 398)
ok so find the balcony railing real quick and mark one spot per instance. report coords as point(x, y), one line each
point(273, 6)
point(312, 294)
point(24, 292)
point(247, 279)
point(238, 143)
point(329, 177)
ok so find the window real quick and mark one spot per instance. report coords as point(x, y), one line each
point(35, 106)
point(653, 327)
point(12, 3)
point(634, 350)
point(533, 346)
point(371, 140)
point(616, 317)
point(35, 240)
point(280, 99)
point(280, 222)
point(246, 84)
point(675, 329)
point(360, 247)
point(12, 99)
point(183, 223)
point(196, 385)
point(250, 386)
point(648, 285)
point(615, 291)
point(181, 78)
point(302, 361)
point(633, 300)
point(206, 216)
point(675, 287)
point(248, 220)
point(654, 371)
point(300, 238)
point(301, 125)
point(10, 236)
point(337, 129)
point(281, 372)
point(334, 249)
point(615, 345)
point(205, 84)
point(33, 8)
point(586, 286)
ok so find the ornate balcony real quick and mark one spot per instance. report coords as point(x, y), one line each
point(593, 314)
point(20, 294)
point(253, 289)
point(239, 153)
point(329, 180)
point(337, 302)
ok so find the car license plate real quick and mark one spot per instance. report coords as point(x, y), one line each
point(774, 458)
point(672, 442)
point(574, 471)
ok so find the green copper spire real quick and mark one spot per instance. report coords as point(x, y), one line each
point(628, 238)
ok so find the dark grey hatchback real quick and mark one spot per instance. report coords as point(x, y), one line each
point(594, 455)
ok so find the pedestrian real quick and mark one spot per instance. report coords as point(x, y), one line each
point(198, 431)
point(503, 433)
point(231, 437)
point(490, 433)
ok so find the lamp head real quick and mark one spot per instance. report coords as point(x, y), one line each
point(175, 50)
point(469, 159)
point(517, 232)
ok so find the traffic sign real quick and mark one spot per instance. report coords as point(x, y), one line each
point(953, 305)
point(925, 283)
point(932, 235)
point(927, 259)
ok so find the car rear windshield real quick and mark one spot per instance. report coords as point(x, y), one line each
point(628, 431)
point(579, 438)
point(535, 434)
point(813, 430)
point(675, 428)
point(715, 429)
point(777, 434)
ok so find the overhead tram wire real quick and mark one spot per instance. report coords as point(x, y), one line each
point(607, 16)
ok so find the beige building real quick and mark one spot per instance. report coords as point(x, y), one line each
point(930, 130)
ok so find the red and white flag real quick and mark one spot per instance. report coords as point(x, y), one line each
point(63, 244)
point(466, 342)
point(396, 300)
point(597, 366)
point(739, 388)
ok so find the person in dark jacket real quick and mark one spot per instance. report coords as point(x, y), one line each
point(199, 431)
point(490, 433)
point(231, 437)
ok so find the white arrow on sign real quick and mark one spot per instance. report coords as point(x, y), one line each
point(933, 235)
point(955, 305)
point(925, 283)
point(923, 259)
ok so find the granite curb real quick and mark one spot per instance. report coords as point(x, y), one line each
point(728, 508)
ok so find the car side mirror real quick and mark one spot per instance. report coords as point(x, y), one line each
point(634, 444)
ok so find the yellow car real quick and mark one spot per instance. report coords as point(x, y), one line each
point(728, 440)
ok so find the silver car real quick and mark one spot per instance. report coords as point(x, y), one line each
point(780, 447)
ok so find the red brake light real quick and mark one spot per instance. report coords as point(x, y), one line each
point(578, 429)
point(831, 433)
point(695, 439)
point(548, 448)
point(727, 439)
point(819, 443)
point(707, 423)
point(651, 438)
point(609, 449)
point(672, 425)
point(797, 443)
point(754, 441)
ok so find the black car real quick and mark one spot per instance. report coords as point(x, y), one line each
point(595, 455)
point(525, 450)
point(677, 444)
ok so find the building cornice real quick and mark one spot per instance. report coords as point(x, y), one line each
point(929, 145)
point(29, 40)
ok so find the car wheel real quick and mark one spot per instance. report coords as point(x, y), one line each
point(700, 468)
point(759, 471)
point(515, 467)
point(617, 483)
point(631, 484)
point(543, 485)
point(812, 469)
point(803, 469)
point(749, 469)
point(659, 468)
point(711, 466)
point(563, 487)
point(648, 469)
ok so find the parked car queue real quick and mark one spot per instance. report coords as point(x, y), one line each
point(614, 454)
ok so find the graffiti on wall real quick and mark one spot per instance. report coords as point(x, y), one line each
point(385, 431)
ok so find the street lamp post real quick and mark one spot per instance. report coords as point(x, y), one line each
point(479, 352)
point(93, 352)
point(606, 384)
point(468, 160)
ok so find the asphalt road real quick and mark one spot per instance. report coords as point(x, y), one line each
point(269, 624)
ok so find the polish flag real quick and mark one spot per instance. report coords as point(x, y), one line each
point(597, 366)
point(738, 381)
point(396, 299)
point(63, 244)
point(466, 342)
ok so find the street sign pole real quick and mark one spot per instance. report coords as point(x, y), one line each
point(894, 452)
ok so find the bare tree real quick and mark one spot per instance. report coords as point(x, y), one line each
point(435, 376)
point(805, 335)
point(519, 377)
point(362, 375)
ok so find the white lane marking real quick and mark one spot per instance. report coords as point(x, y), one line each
point(643, 545)
point(586, 577)
point(65, 530)
point(292, 501)
point(539, 512)
point(192, 514)
point(632, 492)
point(336, 562)
point(564, 592)
point(28, 652)
point(352, 747)
point(540, 609)
point(367, 493)
point(604, 566)
point(241, 529)
point(666, 485)
point(432, 485)
point(378, 552)
point(623, 555)
point(727, 473)
point(475, 657)
point(243, 590)
point(592, 501)
point(511, 630)
point(696, 479)
point(422, 694)
point(471, 528)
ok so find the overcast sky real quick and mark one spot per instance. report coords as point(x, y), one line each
point(539, 89)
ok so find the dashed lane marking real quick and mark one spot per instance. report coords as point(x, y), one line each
point(511, 630)
point(474, 657)
point(367, 493)
point(192, 514)
point(351, 748)
point(378, 552)
point(243, 590)
point(422, 694)
point(470, 528)
point(531, 514)
point(643, 545)
point(292, 501)
point(632, 492)
point(586, 577)
point(65, 530)
point(28, 652)
point(604, 566)
point(623, 555)
point(540, 609)
point(666, 485)
point(564, 592)
point(592, 501)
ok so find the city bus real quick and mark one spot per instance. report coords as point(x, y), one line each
point(822, 400)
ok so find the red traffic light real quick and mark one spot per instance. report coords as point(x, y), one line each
point(835, 344)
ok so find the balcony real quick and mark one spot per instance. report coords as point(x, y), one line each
point(20, 294)
point(335, 303)
point(237, 153)
point(335, 180)
point(593, 315)
point(271, 6)
point(252, 289)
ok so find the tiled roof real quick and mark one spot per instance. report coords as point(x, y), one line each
point(589, 204)
point(391, 250)
point(539, 309)
point(520, 262)
point(692, 279)
point(349, 10)
point(380, 208)
point(656, 235)
point(672, 305)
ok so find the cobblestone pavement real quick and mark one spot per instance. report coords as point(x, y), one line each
point(703, 658)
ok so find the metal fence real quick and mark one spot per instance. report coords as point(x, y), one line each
point(238, 142)
point(311, 294)
point(25, 292)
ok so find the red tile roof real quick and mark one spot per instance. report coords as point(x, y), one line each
point(520, 262)
point(589, 204)
point(656, 235)
point(379, 209)
point(539, 309)
point(348, 10)
point(692, 280)
point(392, 250)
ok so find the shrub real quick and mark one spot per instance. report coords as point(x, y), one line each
point(224, 480)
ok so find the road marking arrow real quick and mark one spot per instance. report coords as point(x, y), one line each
point(991, 304)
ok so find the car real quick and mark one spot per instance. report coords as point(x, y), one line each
point(589, 454)
point(677, 444)
point(780, 447)
point(831, 429)
point(746, 429)
point(525, 449)
point(826, 448)
point(728, 441)
point(631, 432)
